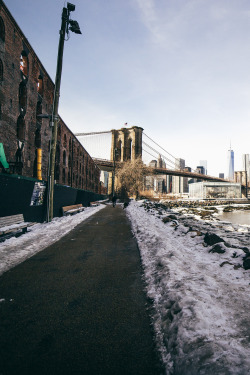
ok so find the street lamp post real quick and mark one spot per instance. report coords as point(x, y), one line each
point(66, 25)
point(113, 173)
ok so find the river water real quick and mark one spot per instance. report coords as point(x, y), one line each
point(236, 217)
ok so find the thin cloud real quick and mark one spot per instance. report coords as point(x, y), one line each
point(150, 18)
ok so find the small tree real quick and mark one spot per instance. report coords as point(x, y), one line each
point(131, 176)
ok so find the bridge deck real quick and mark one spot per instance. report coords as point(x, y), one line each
point(108, 165)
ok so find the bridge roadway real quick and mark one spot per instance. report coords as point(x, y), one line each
point(108, 165)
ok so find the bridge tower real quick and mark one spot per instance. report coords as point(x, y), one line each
point(126, 145)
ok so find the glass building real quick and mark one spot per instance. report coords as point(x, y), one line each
point(230, 164)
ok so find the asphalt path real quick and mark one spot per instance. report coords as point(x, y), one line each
point(79, 306)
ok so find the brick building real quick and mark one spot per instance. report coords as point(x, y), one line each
point(26, 90)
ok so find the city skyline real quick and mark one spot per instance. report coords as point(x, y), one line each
point(177, 69)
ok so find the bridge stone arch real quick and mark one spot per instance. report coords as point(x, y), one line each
point(126, 144)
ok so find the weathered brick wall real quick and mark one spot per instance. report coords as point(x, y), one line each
point(24, 93)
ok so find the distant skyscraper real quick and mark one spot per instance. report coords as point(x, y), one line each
point(221, 175)
point(246, 163)
point(230, 164)
point(177, 182)
point(203, 163)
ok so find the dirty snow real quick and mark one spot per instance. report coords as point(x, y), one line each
point(201, 299)
point(15, 250)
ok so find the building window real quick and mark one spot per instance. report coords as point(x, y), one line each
point(65, 140)
point(38, 140)
point(40, 85)
point(39, 111)
point(22, 98)
point(59, 132)
point(58, 154)
point(64, 157)
point(2, 30)
point(24, 63)
point(20, 128)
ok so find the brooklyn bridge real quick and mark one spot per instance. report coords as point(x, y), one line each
point(114, 147)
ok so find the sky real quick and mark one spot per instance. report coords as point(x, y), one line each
point(180, 69)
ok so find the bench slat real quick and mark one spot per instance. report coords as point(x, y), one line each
point(72, 209)
point(14, 219)
point(13, 223)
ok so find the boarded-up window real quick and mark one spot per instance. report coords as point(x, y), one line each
point(2, 30)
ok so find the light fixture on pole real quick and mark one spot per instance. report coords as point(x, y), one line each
point(74, 27)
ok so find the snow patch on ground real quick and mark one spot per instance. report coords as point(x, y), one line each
point(201, 307)
point(15, 250)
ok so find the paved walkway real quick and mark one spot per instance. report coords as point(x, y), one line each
point(78, 307)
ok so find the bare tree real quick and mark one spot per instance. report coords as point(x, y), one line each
point(131, 176)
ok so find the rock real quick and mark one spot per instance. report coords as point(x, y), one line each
point(212, 238)
point(218, 248)
point(245, 249)
point(226, 262)
point(173, 217)
point(228, 209)
point(246, 263)
point(166, 219)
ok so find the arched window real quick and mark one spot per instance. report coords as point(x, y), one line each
point(118, 151)
point(58, 154)
point(64, 157)
point(38, 142)
point(1, 70)
point(59, 132)
point(65, 140)
point(21, 128)
point(24, 64)
point(69, 161)
point(40, 85)
point(2, 30)
point(129, 149)
point(39, 111)
point(22, 98)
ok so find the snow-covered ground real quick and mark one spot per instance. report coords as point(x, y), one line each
point(201, 298)
point(15, 250)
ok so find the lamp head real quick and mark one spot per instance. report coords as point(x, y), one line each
point(71, 7)
point(74, 27)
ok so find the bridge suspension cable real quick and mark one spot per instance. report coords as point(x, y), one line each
point(97, 144)
point(160, 146)
point(92, 133)
point(165, 158)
